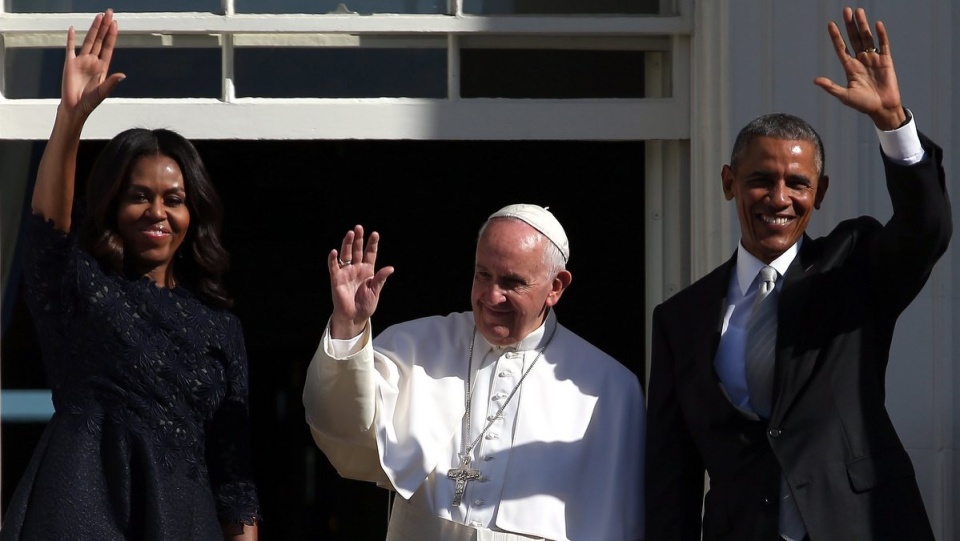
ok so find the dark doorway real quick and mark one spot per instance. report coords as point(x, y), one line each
point(288, 203)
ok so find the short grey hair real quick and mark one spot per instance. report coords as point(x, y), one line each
point(779, 126)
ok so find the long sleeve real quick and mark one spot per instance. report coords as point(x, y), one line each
point(339, 398)
point(918, 232)
point(674, 470)
point(228, 442)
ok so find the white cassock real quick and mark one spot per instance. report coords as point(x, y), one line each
point(563, 461)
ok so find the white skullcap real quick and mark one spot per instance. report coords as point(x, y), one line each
point(540, 219)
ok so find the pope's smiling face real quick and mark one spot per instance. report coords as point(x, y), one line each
point(776, 186)
point(512, 284)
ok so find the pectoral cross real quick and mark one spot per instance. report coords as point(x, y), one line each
point(461, 476)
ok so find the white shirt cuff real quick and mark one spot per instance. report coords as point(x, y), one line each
point(902, 145)
point(341, 349)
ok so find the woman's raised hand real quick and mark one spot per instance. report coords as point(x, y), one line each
point(86, 79)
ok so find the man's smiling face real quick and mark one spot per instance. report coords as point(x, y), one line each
point(776, 186)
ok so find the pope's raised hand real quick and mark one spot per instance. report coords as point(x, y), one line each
point(355, 284)
point(86, 79)
point(872, 86)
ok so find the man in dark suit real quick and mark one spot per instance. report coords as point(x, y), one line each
point(806, 451)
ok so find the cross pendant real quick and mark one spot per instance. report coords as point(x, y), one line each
point(461, 476)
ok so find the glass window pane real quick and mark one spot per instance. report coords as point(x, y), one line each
point(551, 74)
point(151, 73)
point(340, 72)
point(561, 7)
point(120, 6)
point(341, 6)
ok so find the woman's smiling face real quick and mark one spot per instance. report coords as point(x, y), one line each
point(152, 215)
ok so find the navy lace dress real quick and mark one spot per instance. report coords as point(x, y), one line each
point(150, 436)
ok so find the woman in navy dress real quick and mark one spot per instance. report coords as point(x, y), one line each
point(146, 364)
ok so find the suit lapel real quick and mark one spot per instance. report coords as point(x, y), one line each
point(795, 363)
point(708, 322)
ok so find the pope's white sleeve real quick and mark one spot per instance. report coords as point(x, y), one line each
point(339, 399)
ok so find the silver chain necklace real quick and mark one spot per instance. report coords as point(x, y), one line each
point(464, 474)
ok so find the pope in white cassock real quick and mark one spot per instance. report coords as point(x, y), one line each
point(495, 424)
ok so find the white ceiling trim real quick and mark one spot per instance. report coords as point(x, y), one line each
point(478, 119)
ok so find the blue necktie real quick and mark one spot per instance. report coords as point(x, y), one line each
point(760, 351)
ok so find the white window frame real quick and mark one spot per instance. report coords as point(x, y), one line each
point(229, 117)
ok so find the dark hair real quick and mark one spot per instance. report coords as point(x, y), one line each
point(201, 260)
point(778, 126)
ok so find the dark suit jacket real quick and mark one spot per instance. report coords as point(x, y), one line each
point(829, 430)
